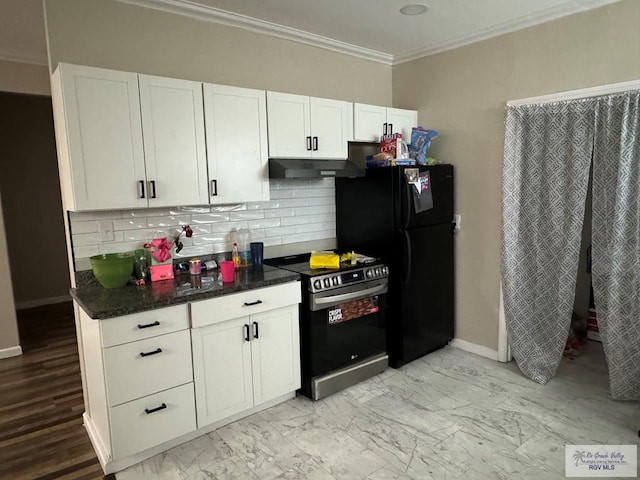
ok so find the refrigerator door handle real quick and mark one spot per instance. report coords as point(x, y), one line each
point(407, 269)
point(407, 212)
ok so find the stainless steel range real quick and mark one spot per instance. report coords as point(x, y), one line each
point(342, 323)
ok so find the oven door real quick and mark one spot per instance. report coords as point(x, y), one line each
point(345, 326)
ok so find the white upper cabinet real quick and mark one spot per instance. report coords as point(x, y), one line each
point(372, 121)
point(400, 120)
point(127, 140)
point(236, 126)
point(99, 138)
point(174, 142)
point(289, 125)
point(368, 122)
point(308, 127)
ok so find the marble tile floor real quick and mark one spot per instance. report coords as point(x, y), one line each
point(449, 415)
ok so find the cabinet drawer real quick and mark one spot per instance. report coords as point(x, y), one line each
point(137, 369)
point(144, 325)
point(135, 426)
point(245, 303)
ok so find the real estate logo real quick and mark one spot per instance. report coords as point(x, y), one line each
point(601, 461)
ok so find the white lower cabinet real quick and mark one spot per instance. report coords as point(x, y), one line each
point(152, 420)
point(245, 361)
point(137, 380)
point(138, 371)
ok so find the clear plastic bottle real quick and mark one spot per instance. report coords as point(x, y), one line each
point(244, 247)
point(235, 256)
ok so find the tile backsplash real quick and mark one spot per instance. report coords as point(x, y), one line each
point(299, 211)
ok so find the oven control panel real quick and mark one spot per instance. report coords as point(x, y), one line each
point(339, 279)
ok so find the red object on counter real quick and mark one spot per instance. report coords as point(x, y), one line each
point(161, 272)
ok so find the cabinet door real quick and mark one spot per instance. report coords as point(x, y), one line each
point(100, 138)
point(289, 125)
point(236, 126)
point(221, 370)
point(174, 146)
point(403, 121)
point(368, 122)
point(331, 127)
point(275, 353)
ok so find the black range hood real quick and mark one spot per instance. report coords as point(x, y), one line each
point(303, 168)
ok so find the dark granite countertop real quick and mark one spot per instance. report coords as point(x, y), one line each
point(102, 303)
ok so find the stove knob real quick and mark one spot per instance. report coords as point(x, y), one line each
point(334, 280)
point(317, 284)
point(369, 273)
point(377, 272)
point(385, 270)
point(327, 282)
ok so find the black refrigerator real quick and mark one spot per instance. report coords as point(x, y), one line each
point(376, 215)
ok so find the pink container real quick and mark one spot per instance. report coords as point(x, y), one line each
point(227, 271)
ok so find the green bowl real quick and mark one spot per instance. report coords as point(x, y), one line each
point(113, 270)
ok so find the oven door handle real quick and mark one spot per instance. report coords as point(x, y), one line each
point(323, 302)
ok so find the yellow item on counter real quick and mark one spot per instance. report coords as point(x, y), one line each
point(324, 260)
point(349, 257)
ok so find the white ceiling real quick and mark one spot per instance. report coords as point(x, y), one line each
point(371, 29)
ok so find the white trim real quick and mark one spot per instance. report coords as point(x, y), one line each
point(207, 13)
point(223, 17)
point(474, 348)
point(11, 352)
point(489, 32)
point(42, 301)
point(578, 94)
point(504, 349)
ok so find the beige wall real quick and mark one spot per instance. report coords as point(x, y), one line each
point(462, 93)
point(8, 326)
point(30, 192)
point(24, 78)
point(115, 35)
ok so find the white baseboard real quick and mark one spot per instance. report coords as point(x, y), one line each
point(10, 352)
point(475, 348)
point(42, 301)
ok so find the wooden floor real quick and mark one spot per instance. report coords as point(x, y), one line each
point(41, 432)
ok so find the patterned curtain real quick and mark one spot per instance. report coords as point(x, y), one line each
point(616, 238)
point(547, 155)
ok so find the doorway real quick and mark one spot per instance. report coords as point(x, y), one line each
point(31, 201)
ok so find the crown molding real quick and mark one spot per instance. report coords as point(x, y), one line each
point(525, 21)
point(15, 56)
point(195, 10)
point(490, 32)
point(223, 17)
